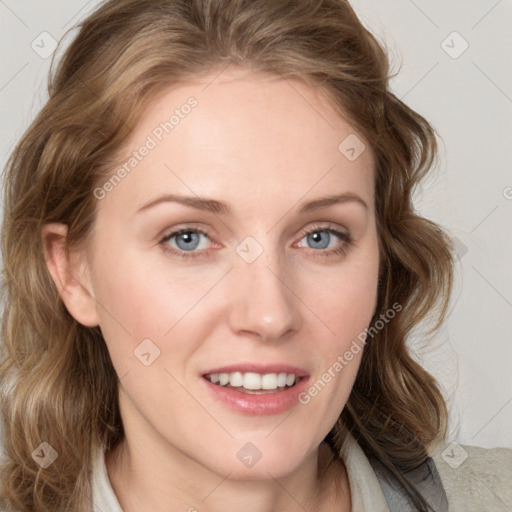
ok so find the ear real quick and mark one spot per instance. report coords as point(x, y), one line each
point(70, 275)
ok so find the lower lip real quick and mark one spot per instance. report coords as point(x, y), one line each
point(258, 405)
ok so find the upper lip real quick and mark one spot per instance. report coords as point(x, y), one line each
point(259, 368)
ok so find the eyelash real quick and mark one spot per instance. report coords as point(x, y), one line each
point(344, 237)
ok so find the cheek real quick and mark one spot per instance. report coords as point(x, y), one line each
point(140, 299)
point(346, 306)
point(346, 302)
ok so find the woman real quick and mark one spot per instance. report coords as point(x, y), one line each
point(212, 265)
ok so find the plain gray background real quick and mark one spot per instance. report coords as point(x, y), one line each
point(455, 69)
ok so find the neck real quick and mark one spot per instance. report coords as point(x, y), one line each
point(142, 482)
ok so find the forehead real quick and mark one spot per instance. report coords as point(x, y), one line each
point(242, 136)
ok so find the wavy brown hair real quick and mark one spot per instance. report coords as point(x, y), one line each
point(59, 382)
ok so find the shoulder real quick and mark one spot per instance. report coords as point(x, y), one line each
point(475, 478)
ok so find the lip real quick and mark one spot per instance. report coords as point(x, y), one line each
point(258, 368)
point(254, 404)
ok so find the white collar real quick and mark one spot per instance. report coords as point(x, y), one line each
point(365, 490)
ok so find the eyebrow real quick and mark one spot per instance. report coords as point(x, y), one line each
point(214, 206)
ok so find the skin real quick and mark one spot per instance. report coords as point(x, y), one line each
point(264, 146)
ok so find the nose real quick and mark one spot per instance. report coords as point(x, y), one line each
point(264, 304)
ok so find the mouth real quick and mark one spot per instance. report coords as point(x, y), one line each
point(256, 389)
point(254, 383)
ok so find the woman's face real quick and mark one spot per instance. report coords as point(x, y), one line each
point(265, 279)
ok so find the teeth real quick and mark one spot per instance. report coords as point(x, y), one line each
point(251, 381)
point(281, 380)
point(254, 381)
point(236, 379)
point(269, 381)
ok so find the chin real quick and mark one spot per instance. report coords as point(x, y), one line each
point(256, 458)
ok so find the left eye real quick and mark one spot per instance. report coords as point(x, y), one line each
point(321, 238)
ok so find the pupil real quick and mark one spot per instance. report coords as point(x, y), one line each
point(316, 238)
point(184, 240)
